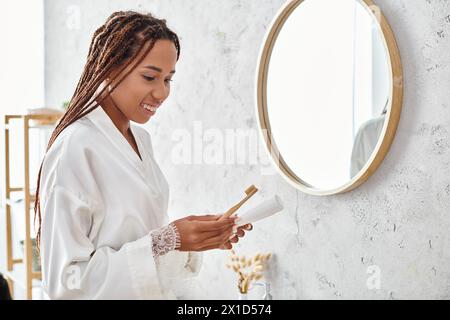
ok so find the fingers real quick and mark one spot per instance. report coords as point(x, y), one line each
point(218, 239)
point(226, 246)
point(247, 227)
point(234, 239)
point(240, 230)
point(224, 238)
point(237, 233)
point(206, 217)
point(240, 233)
point(206, 235)
point(214, 224)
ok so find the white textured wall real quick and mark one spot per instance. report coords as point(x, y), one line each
point(399, 220)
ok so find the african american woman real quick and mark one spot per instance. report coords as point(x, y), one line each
point(101, 204)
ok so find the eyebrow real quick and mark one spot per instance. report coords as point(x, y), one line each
point(157, 69)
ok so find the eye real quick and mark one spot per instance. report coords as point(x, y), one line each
point(152, 78)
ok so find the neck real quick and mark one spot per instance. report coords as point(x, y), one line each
point(118, 118)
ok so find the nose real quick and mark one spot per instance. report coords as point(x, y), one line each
point(159, 93)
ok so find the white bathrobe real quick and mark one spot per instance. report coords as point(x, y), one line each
point(99, 202)
point(366, 140)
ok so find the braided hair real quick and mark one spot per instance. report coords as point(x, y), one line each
point(115, 45)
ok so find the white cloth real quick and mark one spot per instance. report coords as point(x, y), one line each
point(365, 142)
point(99, 202)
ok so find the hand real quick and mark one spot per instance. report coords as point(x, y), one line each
point(239, 234)
point(205, 232)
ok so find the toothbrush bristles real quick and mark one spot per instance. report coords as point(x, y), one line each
point(251, 189)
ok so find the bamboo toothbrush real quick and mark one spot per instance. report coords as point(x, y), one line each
point(250, 191)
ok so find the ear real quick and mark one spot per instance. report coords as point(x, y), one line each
point(112, 75)
point(108, 80)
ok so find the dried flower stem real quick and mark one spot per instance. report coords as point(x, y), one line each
point(256, 264)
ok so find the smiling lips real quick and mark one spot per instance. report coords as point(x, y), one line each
point(150, 107)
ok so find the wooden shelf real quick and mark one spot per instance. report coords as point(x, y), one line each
point(19, 271)
point(17, 275)
point(18, 201)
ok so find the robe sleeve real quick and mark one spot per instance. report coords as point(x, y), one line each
point(175, 266)
point(178, 271)
point(73, 269)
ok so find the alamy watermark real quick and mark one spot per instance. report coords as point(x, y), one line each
point(223, 147)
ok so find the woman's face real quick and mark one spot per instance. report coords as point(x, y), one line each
point(148, 85)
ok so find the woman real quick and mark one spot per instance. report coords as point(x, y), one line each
point(104, 231)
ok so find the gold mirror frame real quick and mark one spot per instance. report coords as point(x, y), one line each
point(393, 112)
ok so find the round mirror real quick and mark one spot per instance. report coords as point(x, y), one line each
point(329, 93)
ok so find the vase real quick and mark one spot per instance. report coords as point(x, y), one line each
point(36, 264)
point(242, 296)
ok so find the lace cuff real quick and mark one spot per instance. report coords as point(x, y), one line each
point(165, 239)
